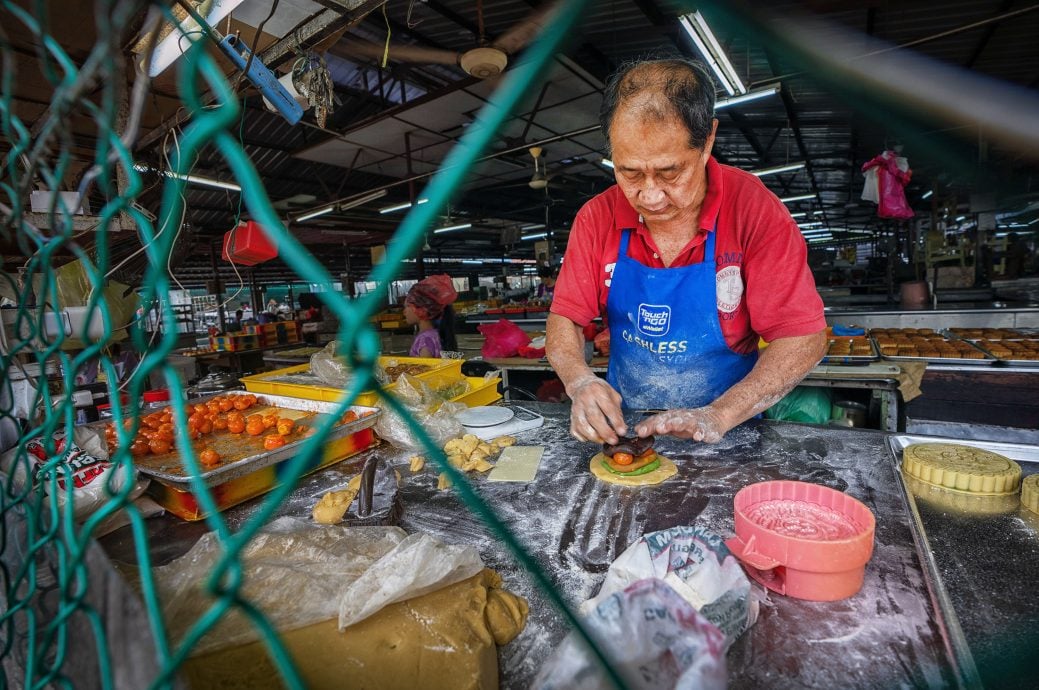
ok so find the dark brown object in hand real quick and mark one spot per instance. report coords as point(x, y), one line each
point(635, 446)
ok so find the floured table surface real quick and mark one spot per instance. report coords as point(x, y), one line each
point(888, 635)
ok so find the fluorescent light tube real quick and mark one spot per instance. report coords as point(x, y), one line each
point(799, 214)
point(810, 224)
point(452, 228)
point(606, 162)
point(315, 214)
point(536, 236)
point(193, 179)
point(478, 262)
point(695, 32)
point(171, 46)
point(800, 197)
point(927, 194)
point(535, 226)
point(354, 203)
point(777, 169)
point(712, 43)
point(959, 218)
point(746, 97)
point(401, 206)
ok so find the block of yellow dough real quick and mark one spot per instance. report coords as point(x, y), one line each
point(445, 640)
point(333, 505)
point(962, 468)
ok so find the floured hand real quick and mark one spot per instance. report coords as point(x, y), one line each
point(595, 414)
point(699, 424)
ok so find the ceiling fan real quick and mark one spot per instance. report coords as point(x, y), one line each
point(485, 60)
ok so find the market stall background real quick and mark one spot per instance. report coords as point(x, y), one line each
point(402, 125)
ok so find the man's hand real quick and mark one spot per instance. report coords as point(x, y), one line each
point(700, 424)
point(595, 413)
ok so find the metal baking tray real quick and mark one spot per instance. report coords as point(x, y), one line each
point(852, 359)
point(981, 553)
point(251, 456)
point(1005, 360)
point(987, 361)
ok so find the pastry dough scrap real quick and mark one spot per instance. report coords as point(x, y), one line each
point(334, 504)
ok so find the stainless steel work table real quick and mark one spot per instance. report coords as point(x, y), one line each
point(893, 633)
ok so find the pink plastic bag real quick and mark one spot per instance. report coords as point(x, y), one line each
point(503, 339)
point(891, 182)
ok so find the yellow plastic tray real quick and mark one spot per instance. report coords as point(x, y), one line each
point(444, 372)
point(481, 392)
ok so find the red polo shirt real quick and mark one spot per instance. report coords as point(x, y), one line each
point(764, 285)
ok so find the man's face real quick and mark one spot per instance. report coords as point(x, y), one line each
point(661, 176)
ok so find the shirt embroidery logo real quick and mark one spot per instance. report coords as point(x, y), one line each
point(654, 319)
point(729, 289)
point(609, 269)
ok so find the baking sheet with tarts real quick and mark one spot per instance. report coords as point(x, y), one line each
point(985, 359)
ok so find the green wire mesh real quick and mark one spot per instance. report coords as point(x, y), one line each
point(45, 553)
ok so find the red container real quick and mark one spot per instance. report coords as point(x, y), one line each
point(248, 245)
point(802, 540)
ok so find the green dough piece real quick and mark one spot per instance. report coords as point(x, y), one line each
point(642, 470)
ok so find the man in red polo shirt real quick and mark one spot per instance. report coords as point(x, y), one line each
point(691, 262)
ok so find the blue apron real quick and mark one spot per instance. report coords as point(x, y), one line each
point(666, 344)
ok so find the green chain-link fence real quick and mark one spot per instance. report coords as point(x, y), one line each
point(47, 581)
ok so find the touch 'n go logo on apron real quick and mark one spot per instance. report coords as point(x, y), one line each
point(654, 319)
point(729, 289)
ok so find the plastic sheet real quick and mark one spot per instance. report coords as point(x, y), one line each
point(437, 417)
point(299, 573)
point(330, 368)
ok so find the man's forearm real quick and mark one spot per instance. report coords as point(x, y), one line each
point(780, 367)
point(564, 347)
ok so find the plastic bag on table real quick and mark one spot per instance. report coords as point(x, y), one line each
point(654, 638)
point(698, 565)
point(435, 415)
point(803, 404)
point(85, 458)
point(298, 573)
point(330, 368)
point(503, 339)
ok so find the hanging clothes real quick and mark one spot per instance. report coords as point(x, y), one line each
point(893, 174)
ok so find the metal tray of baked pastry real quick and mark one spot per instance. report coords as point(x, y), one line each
point(852, 359)
point(985, 361)
point(981, 554)
point(1007, 361)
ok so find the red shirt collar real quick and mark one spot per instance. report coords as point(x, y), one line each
point(625, 216)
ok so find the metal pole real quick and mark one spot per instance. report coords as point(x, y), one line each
point(217, 286)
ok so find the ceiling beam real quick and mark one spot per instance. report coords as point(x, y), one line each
point(986, 35)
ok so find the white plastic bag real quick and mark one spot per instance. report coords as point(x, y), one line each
point(653, 638)
point(698, 566)
point(94, 479)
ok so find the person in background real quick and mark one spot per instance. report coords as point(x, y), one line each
point(239, 316)
point(430, 300)
point(547, 287)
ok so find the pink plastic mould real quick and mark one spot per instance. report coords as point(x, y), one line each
point(803, 540)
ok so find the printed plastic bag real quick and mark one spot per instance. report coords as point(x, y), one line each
point(803, 404)
point(85, 458)
point(503, 339)
point(652, 636)
point(698, 565)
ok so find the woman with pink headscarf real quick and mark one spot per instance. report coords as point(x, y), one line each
point(428, 301)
